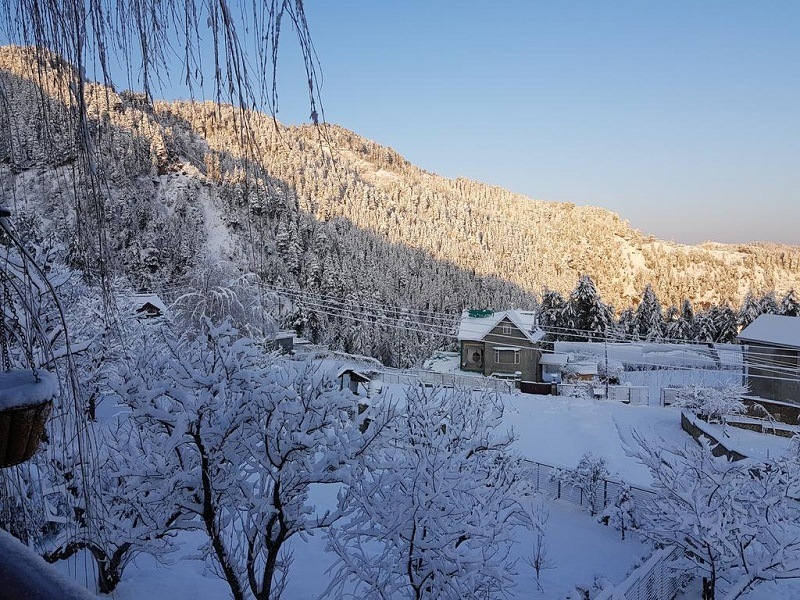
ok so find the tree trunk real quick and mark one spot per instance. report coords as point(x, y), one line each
point(708, 588)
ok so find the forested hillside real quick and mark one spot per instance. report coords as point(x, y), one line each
point(375, 243)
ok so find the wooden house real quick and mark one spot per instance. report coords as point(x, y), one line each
point(500, 344)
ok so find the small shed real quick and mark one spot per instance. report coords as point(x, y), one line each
point(552, 364)
point(148, 306)
point(280, 341)
point(352, 379)
point(584, 371)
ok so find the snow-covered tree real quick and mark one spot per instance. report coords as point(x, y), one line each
point(675, 326)
point(434, 516)
point(749, 310)
point(586, 313)
point(540, 558)
point(648, 320)
point(133, 512)
point(736, 522)
point(552, 315)
point(790, 306)
point(725, 323)
point(250, 437)
point(769, 304)
point(713, 403)
point(705, 329)
point(622, 513)
point(626, 324)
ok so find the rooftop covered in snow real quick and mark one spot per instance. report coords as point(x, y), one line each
point(475, 328)
point(776, 330)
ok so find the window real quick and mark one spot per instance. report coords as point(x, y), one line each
point(506, 328)
point(507, 356)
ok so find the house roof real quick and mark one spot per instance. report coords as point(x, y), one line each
point(776, 330)
point(476, 328)
point(354, 375)
point(554, 358)
point(141, 300)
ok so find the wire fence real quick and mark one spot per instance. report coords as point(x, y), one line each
point(431, 379)
point(656, 579)
point(547, 480)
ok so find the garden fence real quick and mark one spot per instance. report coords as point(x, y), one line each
point(546, 481)
point(450, 380)
point(656, 579)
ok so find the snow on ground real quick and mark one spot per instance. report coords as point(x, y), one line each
point(550, 429)
point(755, 445)
point(557, 431)
point(446, 362)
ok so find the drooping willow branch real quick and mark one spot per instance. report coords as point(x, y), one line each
point(226, 49)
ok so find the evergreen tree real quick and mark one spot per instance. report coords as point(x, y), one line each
point(769, 304)
point(790, 306)
point(675, 326)
point(750, 310)
point(687, 312)
point(724, 323)
point(553, 315)
point(586, 313)
point(625, 325)
point(705, 330)
point(648, 321)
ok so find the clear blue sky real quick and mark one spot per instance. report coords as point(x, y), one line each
point(681, 116)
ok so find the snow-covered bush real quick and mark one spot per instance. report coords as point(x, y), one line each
point(621, 514)
point(588, 477)
point(712, 403)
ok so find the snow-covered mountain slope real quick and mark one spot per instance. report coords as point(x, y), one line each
point(326, 210)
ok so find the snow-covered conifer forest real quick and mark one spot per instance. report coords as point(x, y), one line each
point(187, 440)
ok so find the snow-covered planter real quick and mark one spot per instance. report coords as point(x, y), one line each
point(25, 402)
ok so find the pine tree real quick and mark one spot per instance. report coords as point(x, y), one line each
point(790, 307)
point(750, 310)
point(586, 314)
point(725, 324)
point(648, 321)
point(552, 314)
point(769, 304)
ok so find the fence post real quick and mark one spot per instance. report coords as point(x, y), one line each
point(559, 489)
point(605, 492)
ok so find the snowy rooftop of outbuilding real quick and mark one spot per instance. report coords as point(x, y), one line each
point(554, 358)
point(476, 328)
point(773, 329)
point(140, 300)
point(354, 375)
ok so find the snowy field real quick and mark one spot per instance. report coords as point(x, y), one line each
point(549, 429)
